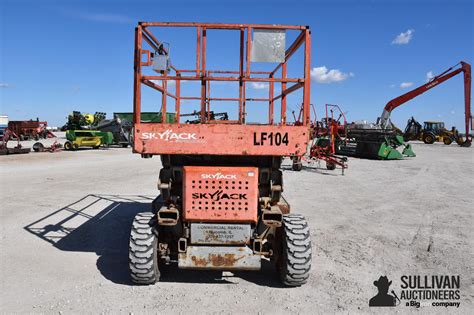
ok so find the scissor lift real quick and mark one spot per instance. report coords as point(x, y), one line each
point(220, 204)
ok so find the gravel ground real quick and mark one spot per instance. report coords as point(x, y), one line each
point(65, 220)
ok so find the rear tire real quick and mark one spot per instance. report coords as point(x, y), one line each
point(428, 139)
point(143, 251)
point(294, 261)
point(330, 166)
point(75, 146)
point(297, 166)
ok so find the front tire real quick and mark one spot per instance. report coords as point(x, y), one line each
point(294, 261)
point(68, 145)
point(447, 141)
point(143, 250)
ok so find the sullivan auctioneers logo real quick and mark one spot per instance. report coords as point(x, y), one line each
point(417, 291)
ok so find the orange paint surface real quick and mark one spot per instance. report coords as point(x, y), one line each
point(219, 139)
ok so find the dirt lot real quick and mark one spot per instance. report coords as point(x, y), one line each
point(65, 221)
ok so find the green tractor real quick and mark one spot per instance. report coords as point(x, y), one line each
point(87, 138)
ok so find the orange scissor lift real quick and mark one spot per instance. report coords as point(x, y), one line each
point(220, 204)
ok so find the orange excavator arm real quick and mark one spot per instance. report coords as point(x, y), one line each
point(446, 75)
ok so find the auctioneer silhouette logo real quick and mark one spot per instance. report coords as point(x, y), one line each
point(382, 298)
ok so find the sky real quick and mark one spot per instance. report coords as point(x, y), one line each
point(64, 55)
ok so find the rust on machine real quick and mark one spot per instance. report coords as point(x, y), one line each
point(221, 258)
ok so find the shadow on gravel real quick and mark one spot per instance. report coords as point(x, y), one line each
point(101, 224)
point(95, 223)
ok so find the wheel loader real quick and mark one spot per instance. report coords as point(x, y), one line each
point(220, 204)
point(431, 132)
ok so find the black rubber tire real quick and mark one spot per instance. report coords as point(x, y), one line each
point(96, 147)
point(428, 139)
point(447, 140)
point(75, 146)
point(330, 166)
point(38, 147)
point(124, 145)
point(297, 166)
point(143, 250)
point(68, 145)
point(294, 261)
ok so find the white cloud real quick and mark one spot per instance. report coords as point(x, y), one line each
point(404, 37)
point(258, 85)
point(405, 85)
point(170, 83)
point(4, 85)
point(392, 85)
point(453, 112)
point(429, 76)
point(323, 75)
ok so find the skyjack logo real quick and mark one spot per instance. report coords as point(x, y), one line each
point(219, 195)
point(169, 135)
point(218, 176)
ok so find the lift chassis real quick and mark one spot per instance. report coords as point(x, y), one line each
point(220, 205)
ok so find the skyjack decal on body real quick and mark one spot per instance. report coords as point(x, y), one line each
point(218, 176)
point(219, 195)
point(169, 135)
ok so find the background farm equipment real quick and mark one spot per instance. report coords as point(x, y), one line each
point(381, 140)
point(210, 116)
point(3, 125)
point(120, 129)
point(8, 135)
point(30, 129)
point(327, 135)
point(431, 132)
point(370, 141)
point(55, 147)
point(146, 117)
point(78, 121)
point(87, 138)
